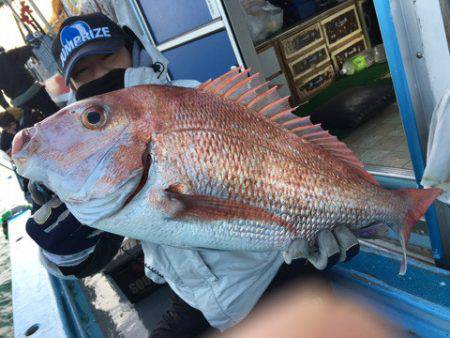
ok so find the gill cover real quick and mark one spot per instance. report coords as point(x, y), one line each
point(84, 153)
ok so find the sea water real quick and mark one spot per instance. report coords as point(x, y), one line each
point(5, 290)
point(10, 196)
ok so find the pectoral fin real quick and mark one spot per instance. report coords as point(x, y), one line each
point(210, 208)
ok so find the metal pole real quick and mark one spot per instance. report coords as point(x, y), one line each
point(39, 13)
point(67, 9)
point(20, 29)
point(16, 16)
point(1, 164)
point(36, 24)
point(441, 251)
point(228, 22)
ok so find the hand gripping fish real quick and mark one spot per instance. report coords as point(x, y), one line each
point(224, 166)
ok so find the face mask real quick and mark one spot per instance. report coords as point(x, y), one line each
point(110, 82)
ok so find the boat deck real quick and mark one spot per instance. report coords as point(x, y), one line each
point(418, 302)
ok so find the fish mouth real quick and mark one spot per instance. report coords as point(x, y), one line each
point(22, 140)
point(20, 146)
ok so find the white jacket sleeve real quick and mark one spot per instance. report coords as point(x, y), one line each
point(154, 276)
point(146, 75)
point(437, 170)
point(141, 75)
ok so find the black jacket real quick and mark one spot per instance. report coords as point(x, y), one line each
point(15, 79)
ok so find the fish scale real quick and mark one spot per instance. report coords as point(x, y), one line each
point(210, 141)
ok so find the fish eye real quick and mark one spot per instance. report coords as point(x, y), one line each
point(94, 117)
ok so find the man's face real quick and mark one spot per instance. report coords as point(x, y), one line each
point(94, 67)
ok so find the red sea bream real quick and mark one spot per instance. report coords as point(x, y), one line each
point(224, 166)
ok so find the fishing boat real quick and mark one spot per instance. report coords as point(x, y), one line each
point(305, 54)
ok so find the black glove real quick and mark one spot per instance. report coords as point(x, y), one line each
point(39, 194)
point(57, 231)
point(332, 246)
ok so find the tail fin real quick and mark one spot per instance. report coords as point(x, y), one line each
point(418, 201)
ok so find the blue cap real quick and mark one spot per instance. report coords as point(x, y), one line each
point(86, 35)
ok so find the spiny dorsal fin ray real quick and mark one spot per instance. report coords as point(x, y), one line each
point(205, 84)
point(296, 122)
point(316, 135)
point(241, 87)
point(273, 109)
point(248, 91)
point(211, 85)
point(307, 129)
point(281, 117)
point(226, 84)
point(251, 93)
point(266, 97)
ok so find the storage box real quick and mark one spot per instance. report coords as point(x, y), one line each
point(309, 62)
point(307, 88)
point(301, 41)
point(340, 55)
point(341, 26)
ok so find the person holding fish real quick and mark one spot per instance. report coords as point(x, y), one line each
point(213, 288)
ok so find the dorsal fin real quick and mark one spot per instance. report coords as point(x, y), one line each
point(248, 91)
point(261, 100)
point(210, 85)
point(241, 87)
point(297, 122)
point(251, 93)
point(273, 109)
point(228, 83)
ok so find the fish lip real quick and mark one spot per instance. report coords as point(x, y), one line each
point(28, 134)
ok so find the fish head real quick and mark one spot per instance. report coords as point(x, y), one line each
point(89, 153)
